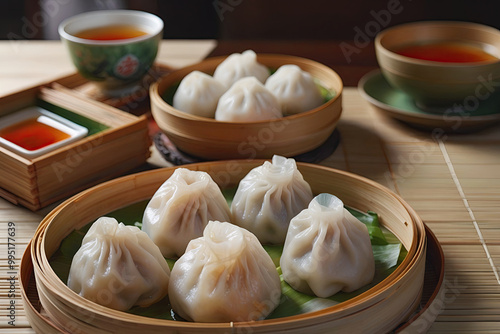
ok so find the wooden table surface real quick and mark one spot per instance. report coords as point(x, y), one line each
point(452, 181)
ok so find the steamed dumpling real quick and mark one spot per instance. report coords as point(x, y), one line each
point(268, 197)
point(198, 94)
point(247, 101)
point(225, 275)
point(240, 65)
point(295, 89)
point(181, 208)
point(327, 250)
point(118, 266)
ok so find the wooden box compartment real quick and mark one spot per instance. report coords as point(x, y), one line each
point(117, 142)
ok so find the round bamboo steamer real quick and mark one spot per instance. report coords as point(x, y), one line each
point(388, 304)
point(287, 136)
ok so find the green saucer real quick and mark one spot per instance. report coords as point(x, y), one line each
point(396, 104)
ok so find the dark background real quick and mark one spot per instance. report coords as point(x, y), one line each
point(327, 31)
point(246, 19)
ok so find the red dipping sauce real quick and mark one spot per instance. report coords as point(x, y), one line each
point(446, 52)
point(32, 134)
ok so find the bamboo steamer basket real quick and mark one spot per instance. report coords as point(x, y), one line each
point(378, 310)
point(38, 322)
point(212, 140)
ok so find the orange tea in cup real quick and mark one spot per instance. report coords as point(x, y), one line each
point(111, 33)
point(113, 48)
point(446, 52)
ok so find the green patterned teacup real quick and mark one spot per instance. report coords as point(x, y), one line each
point(117, 66)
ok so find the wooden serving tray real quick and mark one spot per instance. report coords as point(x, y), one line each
point(117, 142)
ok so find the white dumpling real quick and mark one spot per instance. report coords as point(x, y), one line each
point(295, 89)
point(268, 197)
point(181, 208)
point(198, 94)
point(225, 275)
point(118, 266)
point(327, 250)
point(247, 101)
point(240, 65)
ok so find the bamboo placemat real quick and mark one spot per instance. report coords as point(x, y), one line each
point(452, 181)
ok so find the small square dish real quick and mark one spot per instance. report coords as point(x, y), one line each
point(34, 131)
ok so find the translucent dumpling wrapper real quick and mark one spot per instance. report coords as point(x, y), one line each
point(240, 65)
point(225, 275)
point(247, 101)
point(181, 208)
point(118, 266)
point(198, 94)
point(268, 197)
point(327, 250)
point(295, 89)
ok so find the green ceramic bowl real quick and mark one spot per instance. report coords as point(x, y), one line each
point(440, 83)
point(116, 65)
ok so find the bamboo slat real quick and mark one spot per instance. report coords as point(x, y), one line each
point(458, 236)
point(89, 108)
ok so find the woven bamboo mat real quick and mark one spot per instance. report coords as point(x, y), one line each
point(452, 181)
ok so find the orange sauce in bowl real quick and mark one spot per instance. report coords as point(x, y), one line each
point(32, 134)
point(111, 33)
point(446, 52)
